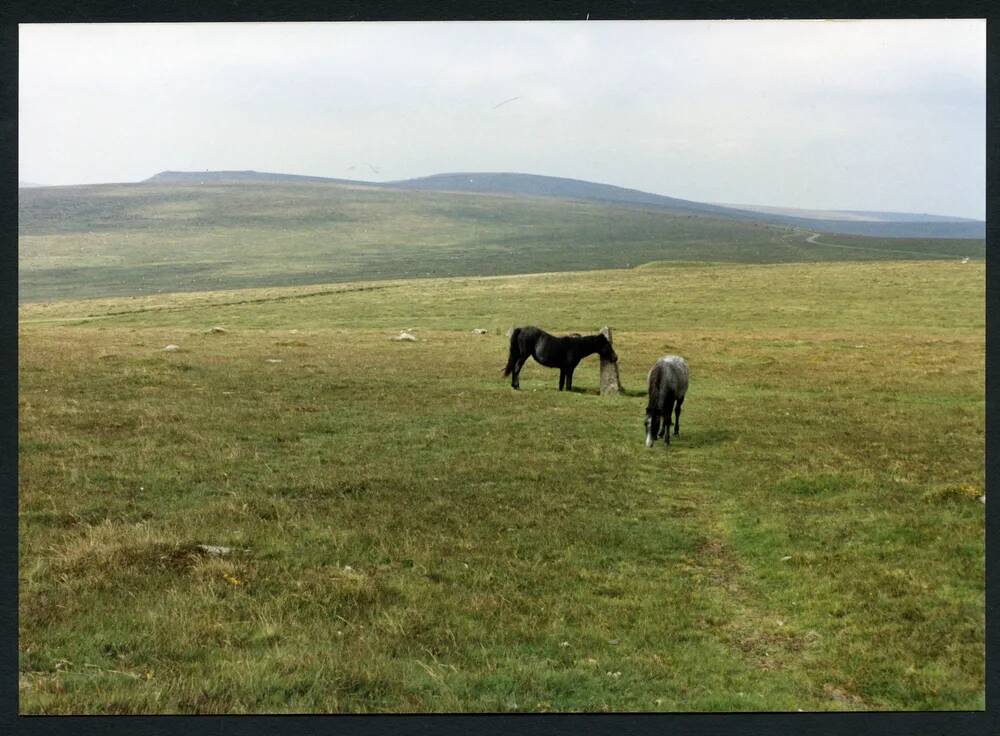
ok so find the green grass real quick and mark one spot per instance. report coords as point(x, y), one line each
point(132, 239)
point(412, 535)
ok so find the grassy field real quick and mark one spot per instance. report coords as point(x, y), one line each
point(410, 534)
point(127, 239)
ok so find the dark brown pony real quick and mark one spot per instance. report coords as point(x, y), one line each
point(564, 353)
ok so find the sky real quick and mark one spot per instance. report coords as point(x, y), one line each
point(861, 115)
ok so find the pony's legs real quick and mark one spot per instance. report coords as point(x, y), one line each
point(677, 416)
point(569, 378)
point(515, 375)
point(668, 409)
point(511, 360)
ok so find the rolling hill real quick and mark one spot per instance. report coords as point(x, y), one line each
point(875, 224)
point(225, 230)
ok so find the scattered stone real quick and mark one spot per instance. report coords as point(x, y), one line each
point(273, 360)
point(213, 550)
point(786, 558)
point(982, 499)
point(479, 331)
point(404, 335)
point(171, 348)
point(219, 330)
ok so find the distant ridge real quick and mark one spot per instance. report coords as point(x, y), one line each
point(913, 226)
point(845, 222)
point(847, 215)
point(219, 177)
point(536, 185)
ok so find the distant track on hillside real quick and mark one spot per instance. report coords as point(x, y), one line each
point(812, 239)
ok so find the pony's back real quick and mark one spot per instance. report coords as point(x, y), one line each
point(674, 371)
point(669, 373)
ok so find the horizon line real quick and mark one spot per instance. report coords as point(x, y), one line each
point(25, 184)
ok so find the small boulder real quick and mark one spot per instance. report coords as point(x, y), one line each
point(404, 335)
point(273, 360)
point(219, 330)
point(213, 550)
point(171, 348)
point(479, 331)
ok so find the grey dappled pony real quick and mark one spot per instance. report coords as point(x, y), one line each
point(668, 383)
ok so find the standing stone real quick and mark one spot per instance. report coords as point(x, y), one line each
point(610, 385)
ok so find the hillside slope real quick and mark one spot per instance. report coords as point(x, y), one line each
point(848, 215)
point(886, 225)
point(876, 224)
point(559, 187)
point(130, 239)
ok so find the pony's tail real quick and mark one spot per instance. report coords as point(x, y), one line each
point(512, 358)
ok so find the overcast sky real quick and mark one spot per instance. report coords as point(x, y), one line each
point(876, 115)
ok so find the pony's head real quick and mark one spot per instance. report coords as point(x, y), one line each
point(606, 351)
point(652, 428)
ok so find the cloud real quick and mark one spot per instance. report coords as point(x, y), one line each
point(851, 115)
